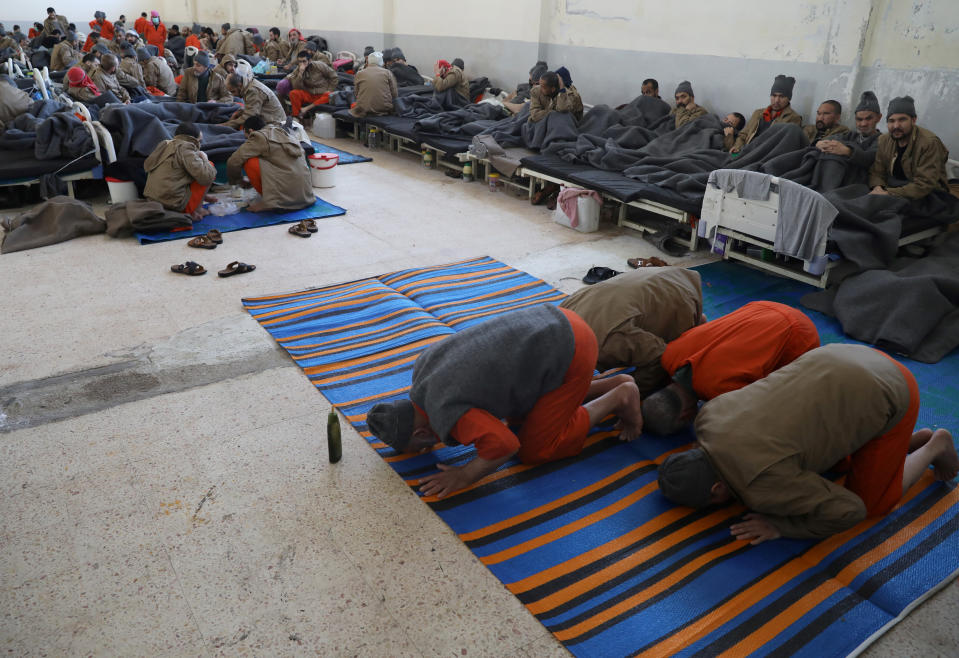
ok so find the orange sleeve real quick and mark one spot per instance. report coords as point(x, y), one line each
point(492, 438)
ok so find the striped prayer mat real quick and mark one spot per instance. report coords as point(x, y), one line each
point(588, 544)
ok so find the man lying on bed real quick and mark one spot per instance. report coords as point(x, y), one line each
point(534, 367)
point(839, 407)
point(275, 165)
point(724, 355)
point(910, 161)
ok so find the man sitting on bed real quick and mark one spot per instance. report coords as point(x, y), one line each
point(179, 173)
point(515, 101)
point(650, 87)
point(838, 407)
point(311, 82)
point(554, 94)
point(448, 76)
point(65, 54)
point(827, 123)
point(732, 124)
point(778, 111)
point(910, 161)
point(258, 100)
point(275, 165)
point(724, 355)
point(859, 145)
point(200, 84)
point(634, 316)
point(105, 78)
point(406, 74)
point(375, 89)
point(686, 109)
point(533, 367)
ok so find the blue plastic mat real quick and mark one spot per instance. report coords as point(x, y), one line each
point(245, 219)
point(345, 156)
point(588, 544)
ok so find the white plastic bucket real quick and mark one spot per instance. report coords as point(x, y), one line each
point(121, 190)
point(323, 169)
point(324, 126)
point(588, 215)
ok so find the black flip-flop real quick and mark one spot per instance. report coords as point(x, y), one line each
point(236, 267)
point(597, 274)
point(190, 268)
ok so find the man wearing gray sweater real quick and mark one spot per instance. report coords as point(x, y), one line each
point(533, 367)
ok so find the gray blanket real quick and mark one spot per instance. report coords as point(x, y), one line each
point(57, 220)
point(912, 308)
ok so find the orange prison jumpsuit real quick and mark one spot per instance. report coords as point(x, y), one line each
point(105, 30)
point(741, 347)
point(155, 36)
point(556, 426)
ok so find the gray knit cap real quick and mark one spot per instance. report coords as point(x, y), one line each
point(783, 84)
point(902, 105)
point(458, 62)
point(368, 50)
point(99, 14)
point(398, 54)
point(143, 54)
point(868, 103)
point(686, 478)
point(202, 57)
point(684, 87)
point(538, 71)
point(392, 423)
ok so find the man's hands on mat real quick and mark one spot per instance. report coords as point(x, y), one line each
point(755, 529)
point(448, 480)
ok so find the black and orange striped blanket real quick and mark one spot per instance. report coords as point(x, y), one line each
point(588, 544)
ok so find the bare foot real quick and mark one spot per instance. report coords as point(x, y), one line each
point(629, 411)
point(946, 462)
point(199, 214)
point(209, 198)
point(919, 438)
point(257, 206)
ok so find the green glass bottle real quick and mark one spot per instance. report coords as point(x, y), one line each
point(333, 442)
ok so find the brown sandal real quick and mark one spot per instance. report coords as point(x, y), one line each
point(189, 267)
point(636, 263)
point(202, 242)
point(300, 230)
point(215, 236)
point(309, 225)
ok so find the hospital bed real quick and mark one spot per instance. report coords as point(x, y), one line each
point(744, 230)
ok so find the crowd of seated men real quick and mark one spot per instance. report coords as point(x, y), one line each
point(148, 61)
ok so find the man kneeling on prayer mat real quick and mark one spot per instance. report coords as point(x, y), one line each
point(636, 314)
point(275, 165)
point(910, 161)
point(179, 173)
point(533, 367)
point(724, 355)
point(768, 443)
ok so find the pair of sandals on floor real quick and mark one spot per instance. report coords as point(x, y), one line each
point(597, 274)
point(211, 240)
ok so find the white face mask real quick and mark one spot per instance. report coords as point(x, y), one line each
point(156, 21)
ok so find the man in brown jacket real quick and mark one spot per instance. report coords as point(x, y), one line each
point(105, 78)
point(635, 314)
point(553, 95)
point(374, 88)
point(200, 84)
point(275, 49)
point(275, 164)
point(179, 173)
point(258, 100)
point(686, 109)
point(827, 123)
point(156, 72)
point(767, 443)
point(446, 76)
point(778, 111)
point(910, 161)
point(226, 66)
point(311, 82)
point(130, 73)
point(234, 41)
point(55, 21)
point(65, 54)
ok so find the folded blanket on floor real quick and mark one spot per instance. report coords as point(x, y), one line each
point(56, 220)
point(140, 215)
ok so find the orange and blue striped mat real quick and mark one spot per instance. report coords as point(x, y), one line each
point(588, 544)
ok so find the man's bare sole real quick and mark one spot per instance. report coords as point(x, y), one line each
point(946, 462)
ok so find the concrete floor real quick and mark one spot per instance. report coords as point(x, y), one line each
point(165, 489)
